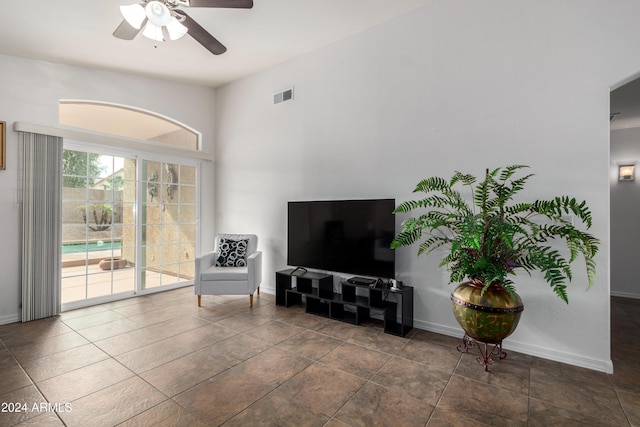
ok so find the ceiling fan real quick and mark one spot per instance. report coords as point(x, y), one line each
point(162, 19)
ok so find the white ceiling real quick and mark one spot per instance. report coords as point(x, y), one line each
point(79, 32)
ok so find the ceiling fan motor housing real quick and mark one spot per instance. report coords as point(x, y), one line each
point(158, 13)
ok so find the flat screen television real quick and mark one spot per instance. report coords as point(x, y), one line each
point(346, 236)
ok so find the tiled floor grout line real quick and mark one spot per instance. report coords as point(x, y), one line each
point(444, 390)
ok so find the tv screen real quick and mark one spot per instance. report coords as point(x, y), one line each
point(346, 236)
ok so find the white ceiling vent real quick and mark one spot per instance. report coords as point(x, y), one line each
point(282, 96)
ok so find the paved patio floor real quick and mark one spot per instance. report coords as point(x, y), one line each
point(89, 281)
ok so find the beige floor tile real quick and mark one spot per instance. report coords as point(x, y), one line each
point(236, 349)
point(423, 350)
point(543, 414)
point(511, 373)
point(376, 339)
point(168, 414)
point(13, 378)
point(484, 403)
point(586, 392)
point(160, 360)
point(84, 381)
point(320, 389)
point(153, 355)
point(415, 379)
point(245, 322)
point(278, 410)
point(181, 374)
point(28, 399)
point(111, 329)
point(222, 397)
point(18, 333)
point(272, 367)
point(631, 406)
point(94, 319)
point(310, 344)
point(138, 338)
point(28, 350)
point(356, 360)
point(113, 405)
point(66, 361)
point(377, 405)
point(442, 418)
point(274, 332)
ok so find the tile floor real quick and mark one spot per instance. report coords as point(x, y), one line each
point(159, 360)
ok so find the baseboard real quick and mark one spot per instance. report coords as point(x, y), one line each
point(438, 329)
point(605, 366)
point(625, 295)
point(532, 350)
point(268, 290)
point(10, 318)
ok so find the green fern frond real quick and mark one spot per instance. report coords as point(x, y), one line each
point(503, 236)
point(465, 179)
point(508, 171)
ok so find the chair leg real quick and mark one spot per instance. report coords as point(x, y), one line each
point(199, 300)
point(250, 300)
point(258, 290)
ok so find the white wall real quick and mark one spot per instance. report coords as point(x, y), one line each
point(30, 91)
point(625, 212)
point(461, 85)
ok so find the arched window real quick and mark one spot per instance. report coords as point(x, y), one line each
point(127, 121)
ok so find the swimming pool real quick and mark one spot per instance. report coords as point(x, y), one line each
point(74, 248)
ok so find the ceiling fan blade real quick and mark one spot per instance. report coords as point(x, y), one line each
point(126, 31)
point(201, 35)
point(238, 4)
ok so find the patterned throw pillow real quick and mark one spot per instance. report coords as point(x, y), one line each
point(232, 253)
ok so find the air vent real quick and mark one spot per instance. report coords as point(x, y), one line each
point(285, 95)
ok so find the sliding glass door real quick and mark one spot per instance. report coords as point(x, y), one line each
point(129, 224)
point(168, 222)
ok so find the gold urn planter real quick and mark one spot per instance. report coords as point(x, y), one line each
point(486, 318)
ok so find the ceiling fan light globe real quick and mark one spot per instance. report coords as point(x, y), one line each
point(158, 13)
point(175, 29)
point(134, 14)
point(153, 32)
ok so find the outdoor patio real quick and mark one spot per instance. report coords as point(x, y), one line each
point(83, 281)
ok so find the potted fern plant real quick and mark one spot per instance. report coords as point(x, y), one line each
point(492, 236)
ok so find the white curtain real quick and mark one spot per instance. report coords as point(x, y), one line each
point(41, 225)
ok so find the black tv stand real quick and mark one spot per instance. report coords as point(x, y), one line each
point(295, 270)
point(361, 281)
point(354, 304)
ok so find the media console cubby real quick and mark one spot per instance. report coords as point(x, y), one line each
point(353, 304)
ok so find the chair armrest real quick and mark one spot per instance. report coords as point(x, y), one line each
point(206, 260)
point(254, 263)
point(203, 262)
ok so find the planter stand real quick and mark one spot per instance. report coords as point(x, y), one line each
point(486, 350)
